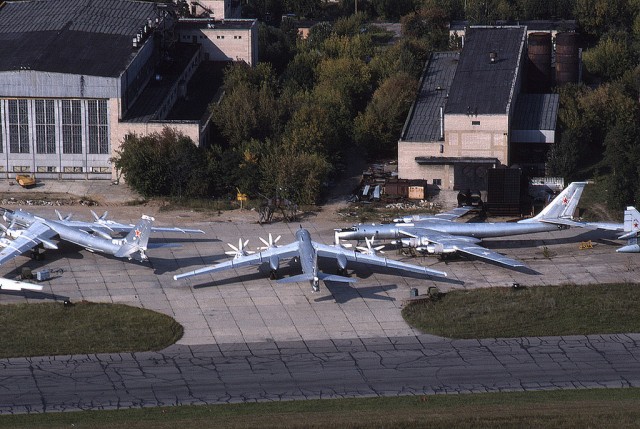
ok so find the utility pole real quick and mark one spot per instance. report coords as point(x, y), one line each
point(356, 7)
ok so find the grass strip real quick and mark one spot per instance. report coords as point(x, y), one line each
point(529, 312)
point(565, 409)
point(84, 328)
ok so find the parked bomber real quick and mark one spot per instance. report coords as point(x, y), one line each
point(30, 232)
point(442, 236)
point(307, 252)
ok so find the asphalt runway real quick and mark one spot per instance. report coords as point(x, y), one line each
point(248, 338)
point(181, 375)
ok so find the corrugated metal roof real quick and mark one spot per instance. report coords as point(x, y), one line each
point(423, 124)
point(536, 112)
point(71, 36)
point(481, 86)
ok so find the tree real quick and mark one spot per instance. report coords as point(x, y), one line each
point(274, 46)
point(597, 17)
point(611, 57)
point(249, 108)
point(622, 153)
point(377, 130)
point(167, 163)
point(294, 175)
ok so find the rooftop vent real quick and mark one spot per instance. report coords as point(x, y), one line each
point(493, 57)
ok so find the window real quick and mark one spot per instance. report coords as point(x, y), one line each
point(45, 169)
point(71, 127)
point(45, 126)
point(100, 170)
point(20, 168)
point(237, 37)
point(437, 182)
point(475, 122)
point(18, 122)
point(97, 128)
point(72, 169)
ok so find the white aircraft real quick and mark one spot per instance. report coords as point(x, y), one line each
point(14, 285)
point(39, 231)
point(441, 235)
point(307, 252)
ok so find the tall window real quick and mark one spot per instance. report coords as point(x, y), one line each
point(71, 126)
point(45, 126)
point(97, 126)
point(18, 126)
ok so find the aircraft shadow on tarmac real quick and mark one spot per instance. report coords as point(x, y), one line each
point(342, 293)
point(168, 265)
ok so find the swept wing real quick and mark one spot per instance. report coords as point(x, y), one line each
point(29, 238)
point(336, 252)
point(454, 243)
point(271, 255)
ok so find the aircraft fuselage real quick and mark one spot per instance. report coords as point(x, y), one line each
point(477, 230)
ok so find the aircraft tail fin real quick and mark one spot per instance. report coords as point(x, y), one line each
point(137, 239)
point(564, 205)
point(631, 223)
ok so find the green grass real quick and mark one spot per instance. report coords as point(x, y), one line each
point(600, 408)
point(532, 311)
point(53, 329)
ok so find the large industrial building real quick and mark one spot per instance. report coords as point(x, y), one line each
point(485, 107)
point(78, 76)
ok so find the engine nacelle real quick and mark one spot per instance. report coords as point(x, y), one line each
point(423, 245)
point(274, 262)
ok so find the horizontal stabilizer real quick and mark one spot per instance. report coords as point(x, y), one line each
point(336, 278)
point(6, 284)
point(296, 278)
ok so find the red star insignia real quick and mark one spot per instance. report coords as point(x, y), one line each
point(138, 233)
point(635, 223)
point(565, 201)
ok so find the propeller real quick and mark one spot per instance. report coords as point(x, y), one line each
point(67, 217)
point(239, 251)
point(271, 243)
point(100, 219)
point(370, 250)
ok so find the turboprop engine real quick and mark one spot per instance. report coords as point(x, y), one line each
point(423, 245)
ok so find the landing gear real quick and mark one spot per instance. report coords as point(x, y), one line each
point(273, 274)
point(37, 254)
point(341, 271)
point(316, 286)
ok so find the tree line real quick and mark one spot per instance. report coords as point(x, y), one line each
point(286, 126)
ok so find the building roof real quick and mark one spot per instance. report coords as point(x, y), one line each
point(210, 23)
point(71, 36)
point(423, 122)
point(482, 86)
point(536, 112)
point(533, 25)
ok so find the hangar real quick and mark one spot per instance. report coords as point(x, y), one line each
point(475, 110)
point(77, 76)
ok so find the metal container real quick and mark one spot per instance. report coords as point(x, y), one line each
point(539, 64)
point(567, 58)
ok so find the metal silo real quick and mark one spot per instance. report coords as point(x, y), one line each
point(567, 58)
point(539, 65)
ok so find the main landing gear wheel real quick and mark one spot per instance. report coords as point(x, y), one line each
point(273, 274)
